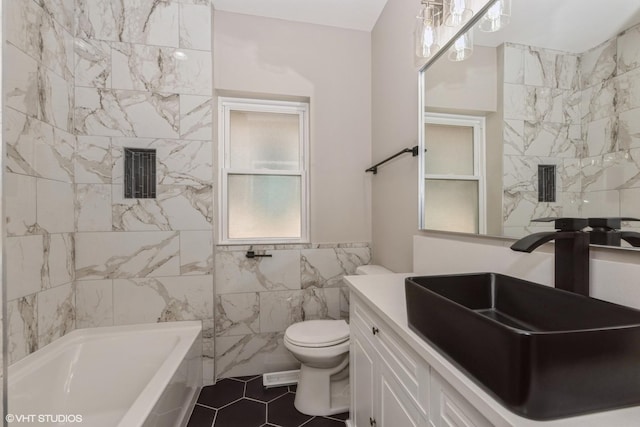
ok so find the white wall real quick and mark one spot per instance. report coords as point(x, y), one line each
point(614, 273)
point(332, 67)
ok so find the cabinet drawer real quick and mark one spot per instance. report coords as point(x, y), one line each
point(449, 409)
point(410, 371)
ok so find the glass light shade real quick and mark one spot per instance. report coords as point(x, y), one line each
point(462, 48)
point(497, 17)
point(427, 34)
point(456, 13)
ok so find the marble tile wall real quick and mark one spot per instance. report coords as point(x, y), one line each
point(257, 299)
point(143, 79)
point(39, 175)
point(542, 125)
point(580, 112)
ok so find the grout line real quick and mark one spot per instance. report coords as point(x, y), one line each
point(206, 406)
point(215, 417)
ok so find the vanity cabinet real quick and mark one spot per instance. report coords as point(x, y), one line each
point(392, 386)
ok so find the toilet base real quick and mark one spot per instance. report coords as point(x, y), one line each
point(322, 393)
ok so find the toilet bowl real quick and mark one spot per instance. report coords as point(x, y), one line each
point(322, 348)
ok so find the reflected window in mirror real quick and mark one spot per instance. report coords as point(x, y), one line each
point(454, 184)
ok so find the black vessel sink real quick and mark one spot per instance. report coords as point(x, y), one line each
point(543, 352)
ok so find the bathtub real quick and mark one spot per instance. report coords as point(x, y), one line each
point(125, 376)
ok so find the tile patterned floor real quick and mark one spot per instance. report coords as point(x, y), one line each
point(244, 402)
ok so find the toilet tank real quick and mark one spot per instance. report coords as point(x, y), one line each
point(372, 269)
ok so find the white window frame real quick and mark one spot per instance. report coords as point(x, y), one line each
point(479, 159)
point(225, 106)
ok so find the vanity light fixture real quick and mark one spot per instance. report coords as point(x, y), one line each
point(497, 17)
point(427, 33)
point(462, 48)
point(456, 13)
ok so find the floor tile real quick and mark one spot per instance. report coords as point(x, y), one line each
point(324, 422)
point(222, 393)
point(244, 413)
point(256, 390)
point(201, 417)
point(282, 412)
point(242, 402)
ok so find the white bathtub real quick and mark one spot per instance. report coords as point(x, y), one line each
point(125, 376)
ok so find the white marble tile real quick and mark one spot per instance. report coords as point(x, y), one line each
point(252, 355)
point(102, 255)
point(20, 132)
point(629, 129)
point(93, 162)
point(25, 265)
point(22, 327)
point(196, 252)
point(20, 204)
point(549, 68)
point(21, 81)
point(237, 314)
point(61, 10)
point(176, 207)
point(611, 171)
point(599, 101)
point(208, 352)
point(54, 157)
point(513, 138)
point(627, 87)
point(326, 267)
point(59, 253)
point(93, 63)
point(280, 309)
point(195, 26)
point(598, 64)
point(514, 63)
point(601, 136)
point(56, 313)
point(162, 299)
point(159, 69)
point(93, 207)
point(515, 100)
point(344, 303)
point(630, 203)
point(55, 209)
point(601, 204)
point(236, 273)
point(126, 113)
point(94, 303)
point(196, 117)
point(547, 140)
point(629, 50)
point(134, 21)
point(56, 100)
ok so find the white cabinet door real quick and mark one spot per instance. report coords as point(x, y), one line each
point(396, 409)
point(450, 409)
point(363, 369)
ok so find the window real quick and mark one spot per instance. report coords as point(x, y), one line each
point(454, 184)
point(264, 172)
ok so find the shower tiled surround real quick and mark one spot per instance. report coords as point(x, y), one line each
point(87, 80)
point(579, 112)
point(257, 299)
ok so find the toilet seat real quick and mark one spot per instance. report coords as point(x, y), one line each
point(318, 333)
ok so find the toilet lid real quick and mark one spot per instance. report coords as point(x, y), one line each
point(318, 333)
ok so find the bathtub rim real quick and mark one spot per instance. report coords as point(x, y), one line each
point(187, 331)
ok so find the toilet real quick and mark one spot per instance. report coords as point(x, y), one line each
point(322, 348)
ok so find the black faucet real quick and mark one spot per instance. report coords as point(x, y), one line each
point(571, 252)
point(606, 231)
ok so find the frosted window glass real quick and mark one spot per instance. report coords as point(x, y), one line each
point(264, 140)
point(264, 206)
point(451, 205)
point(449, 149)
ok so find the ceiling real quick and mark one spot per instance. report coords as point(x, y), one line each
point(566, 25)
point(353, 14)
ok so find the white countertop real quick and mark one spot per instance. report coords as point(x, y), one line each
point(385, 295)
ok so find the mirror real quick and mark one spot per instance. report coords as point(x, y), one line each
point(542, 120)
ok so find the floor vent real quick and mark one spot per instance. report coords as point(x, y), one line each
point(279, 379)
